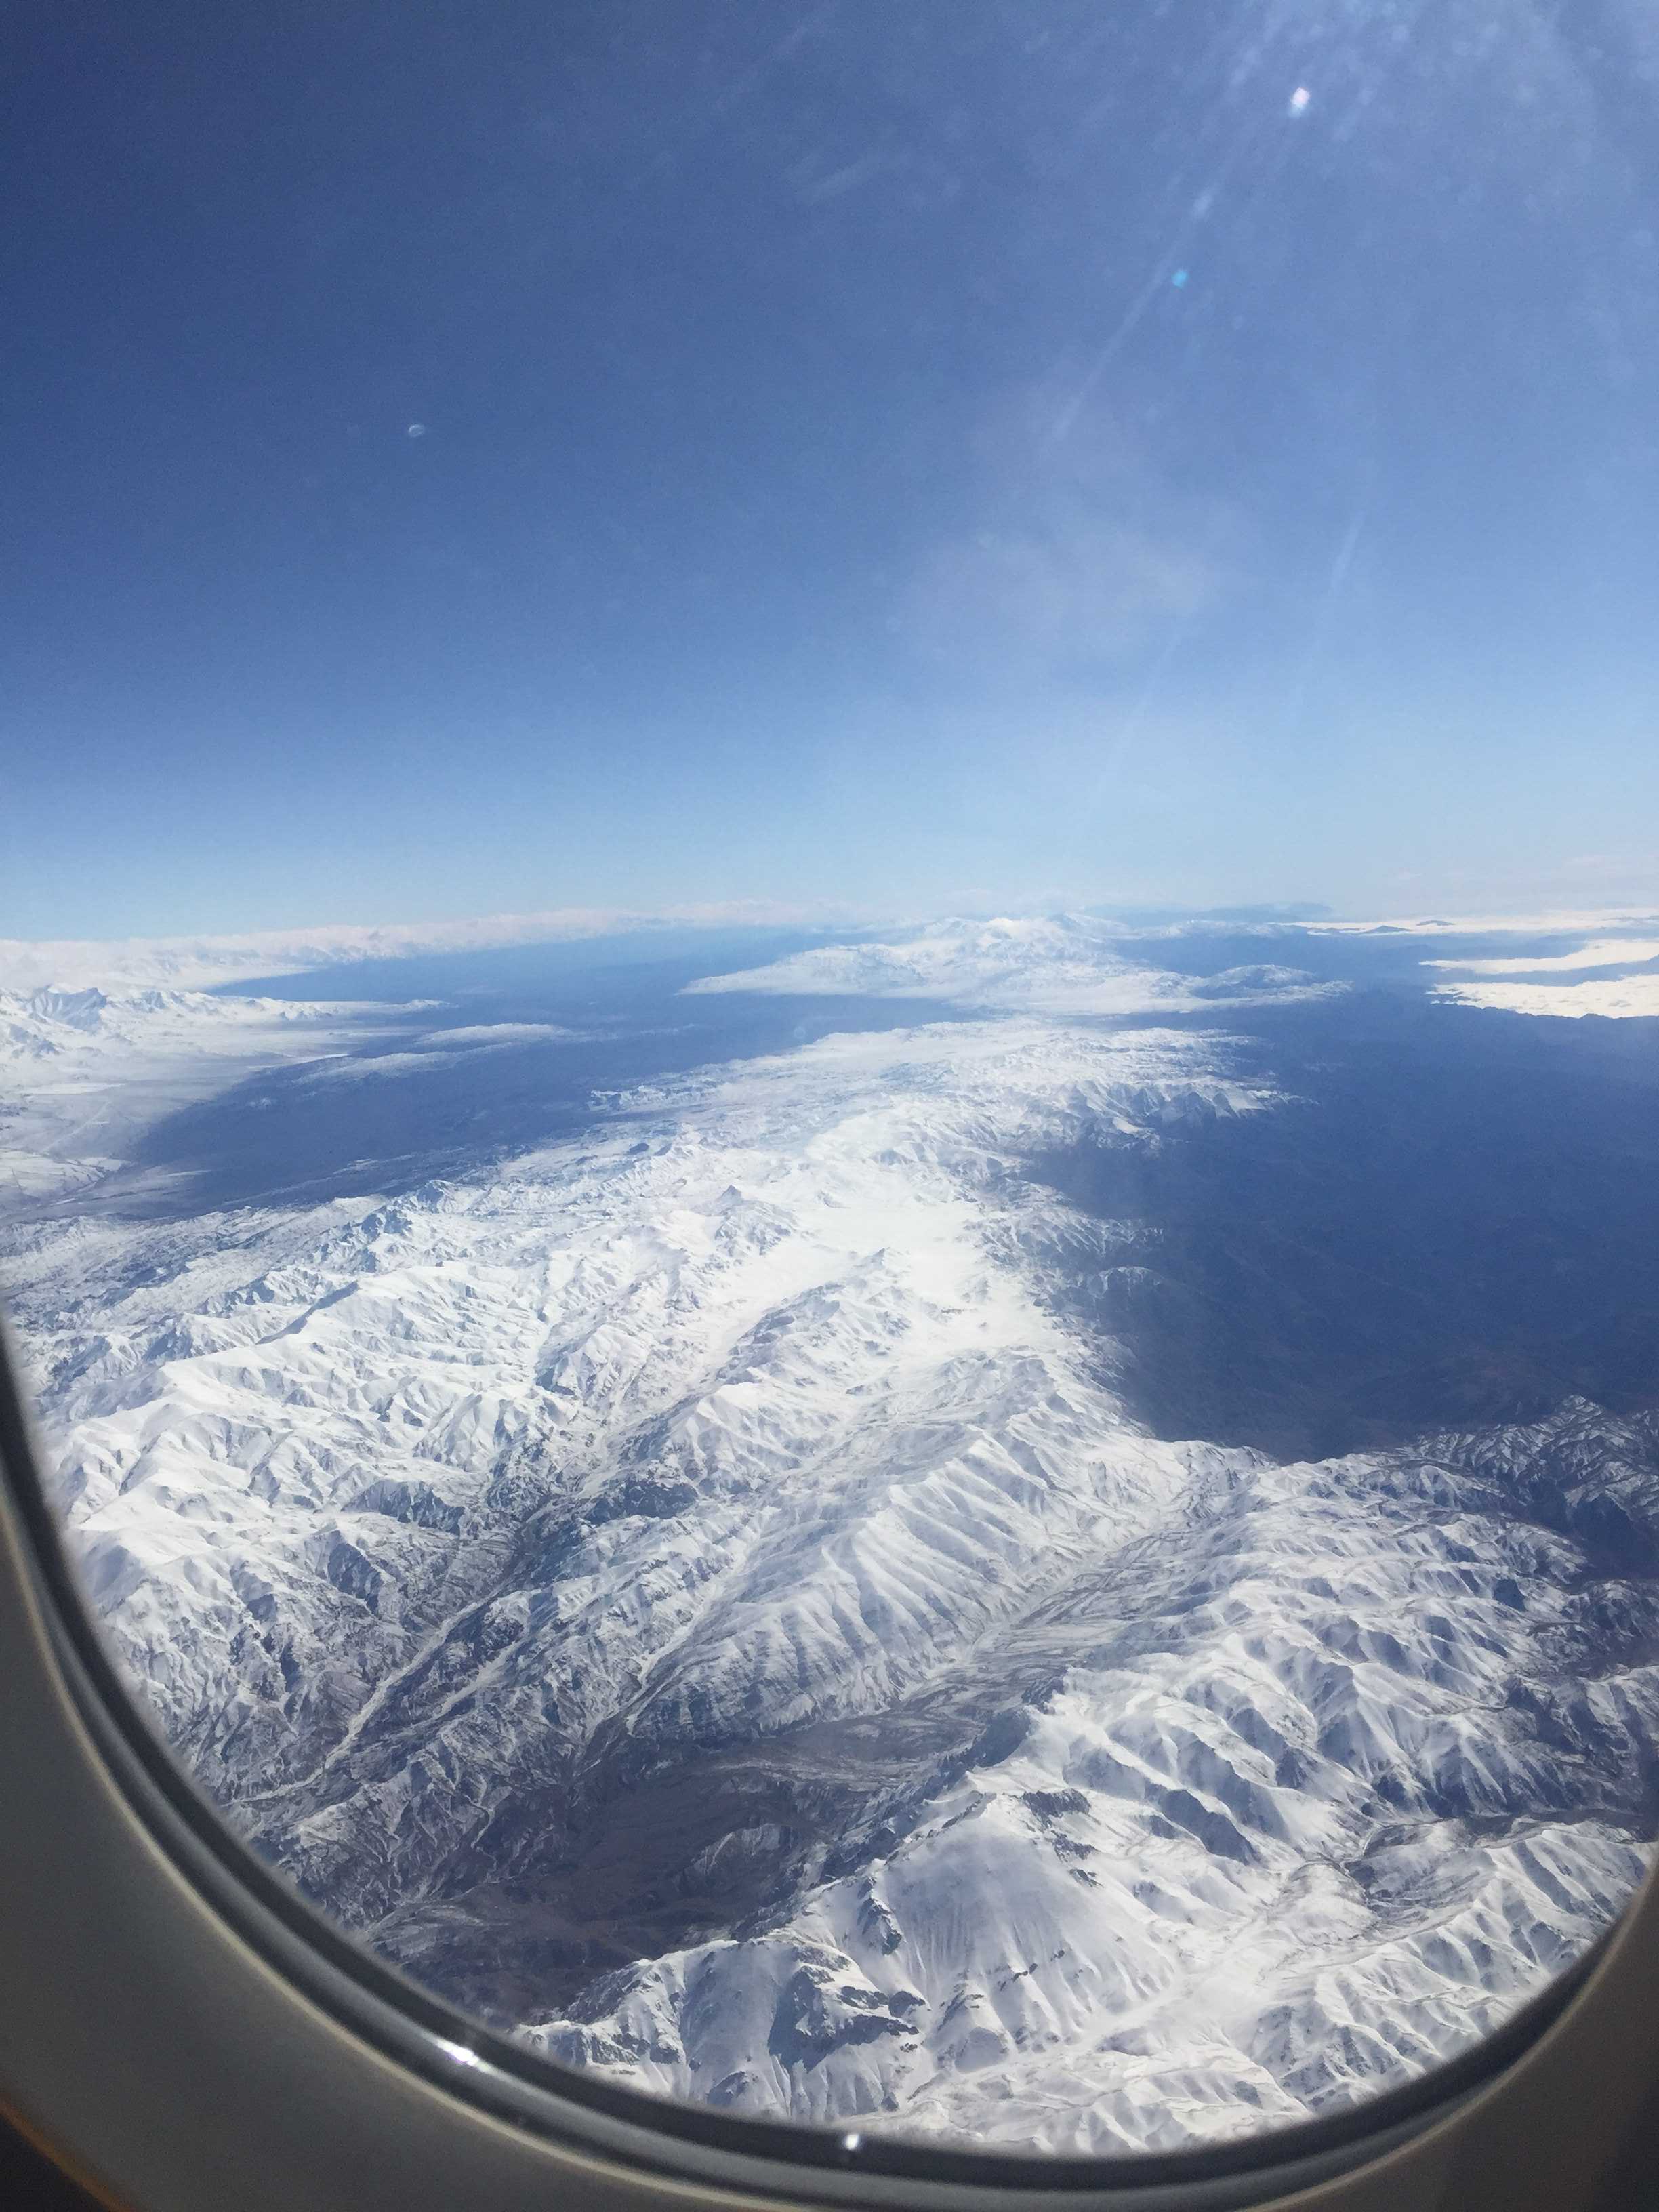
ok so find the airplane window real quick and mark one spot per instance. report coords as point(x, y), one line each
point(830, 1019)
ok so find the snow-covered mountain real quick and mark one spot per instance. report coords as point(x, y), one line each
point(84, 1072)
point(1288, 1799)
point(1069, 963)
point(45, 1024)
point(698, 1593)
point(198, 962)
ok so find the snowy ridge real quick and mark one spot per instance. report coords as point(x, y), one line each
point(710, 1300)
point(196, 961)
point(1059, 965)
point(90, 1071)
point(45, 1024)
point(1222, 1864)
point(696, 1593)
point(84, 1072)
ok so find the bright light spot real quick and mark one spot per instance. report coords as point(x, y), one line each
point(459, 2052)
point(1299, 98)
point(851, 2143)
point(417, 429)
point(1179, 278)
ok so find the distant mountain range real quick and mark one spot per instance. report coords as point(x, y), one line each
point(706, 1591)
point(1064, 963)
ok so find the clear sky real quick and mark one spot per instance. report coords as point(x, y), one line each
point(921, 453)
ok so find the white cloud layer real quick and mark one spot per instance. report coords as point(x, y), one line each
point(1559, 922)
point(1554, 983)
point(200, 962)
point(1604, 952)
point(1630, 995)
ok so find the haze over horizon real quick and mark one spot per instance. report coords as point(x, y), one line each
point(1560, 938)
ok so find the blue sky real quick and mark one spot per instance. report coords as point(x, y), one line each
point(634, 452)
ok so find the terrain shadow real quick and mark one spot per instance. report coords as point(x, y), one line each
point(1457, 1222)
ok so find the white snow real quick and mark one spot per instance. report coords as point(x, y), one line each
point(87, 1025)
point(1048, 1955)
point(83, 1074)
point(762, 1423)
point(1065, 964)
point(198, 962)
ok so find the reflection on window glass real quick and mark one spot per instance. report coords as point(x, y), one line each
point(960, 1427)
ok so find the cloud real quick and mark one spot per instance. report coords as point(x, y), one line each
point(495, 1033)
point(445, 1049)
point(1604, 952)
point(1630, 996)
point(200, 962)
point(1553, 923)
point(1082, 550)
point(1071, 592)
point(1546, 983)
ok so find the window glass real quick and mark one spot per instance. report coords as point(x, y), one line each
point(828, 1022)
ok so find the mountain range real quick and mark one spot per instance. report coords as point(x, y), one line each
point(709, 1593)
